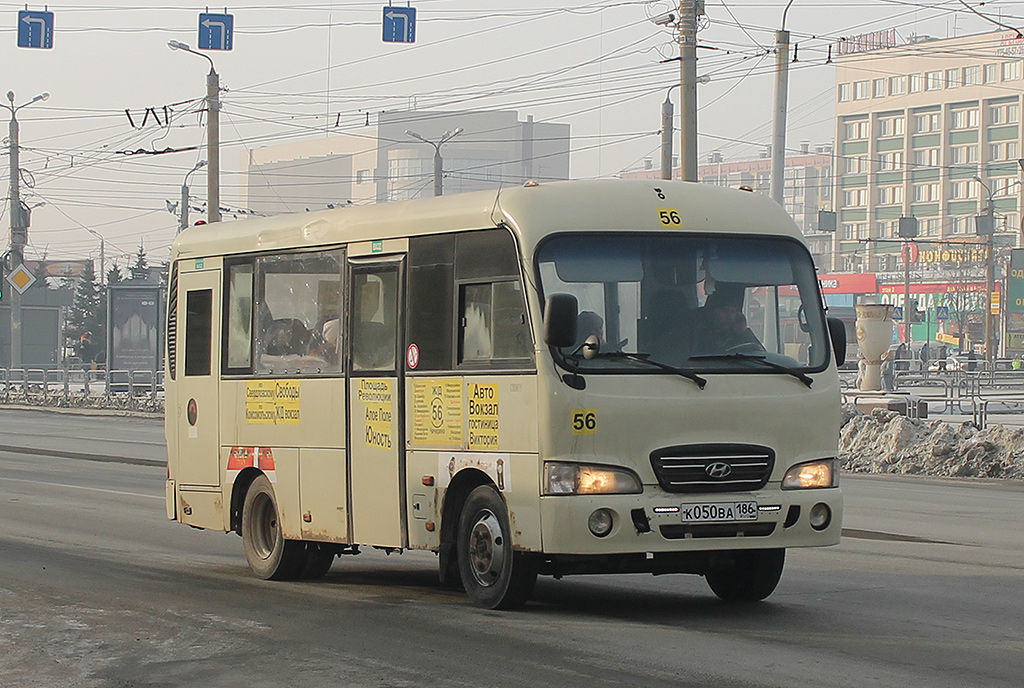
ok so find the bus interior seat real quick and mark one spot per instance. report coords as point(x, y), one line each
point(286, 336)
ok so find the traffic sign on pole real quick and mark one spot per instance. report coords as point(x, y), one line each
point(35, 29)
point(897, 313)
point(216, 31)
point(399, 24)
point(942, 312)
point(21, 279)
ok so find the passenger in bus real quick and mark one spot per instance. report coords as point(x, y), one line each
point(590, 324)
point(724, 325)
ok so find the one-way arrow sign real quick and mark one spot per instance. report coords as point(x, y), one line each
point(35, 29)
point(399, 24)
point(216, 31)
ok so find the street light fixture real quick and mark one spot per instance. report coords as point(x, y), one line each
point(20, 217)
point(445, 138)
point(183, 217)
point(212, 132)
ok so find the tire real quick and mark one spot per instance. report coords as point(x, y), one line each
point(494, 575)
point(749, 575)
point(270, 556)
point(319, 557)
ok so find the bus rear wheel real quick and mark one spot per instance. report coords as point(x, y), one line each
point(270, 556)
point(494, 575)
point(750, 576)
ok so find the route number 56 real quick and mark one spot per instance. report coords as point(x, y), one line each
point(670, 217)
point(584, 422)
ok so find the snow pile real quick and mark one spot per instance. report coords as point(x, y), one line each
point(887, 442)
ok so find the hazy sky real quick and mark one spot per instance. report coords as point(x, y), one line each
point(303, 70)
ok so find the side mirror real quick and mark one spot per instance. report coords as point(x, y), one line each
point(561, 320)
point(837, 333)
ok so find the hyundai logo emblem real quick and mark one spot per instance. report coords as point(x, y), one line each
point(718, 470)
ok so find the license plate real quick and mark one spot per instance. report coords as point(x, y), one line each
point(713, 512)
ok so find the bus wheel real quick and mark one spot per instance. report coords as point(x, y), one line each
point(319, 557)
point(750, 577)
point(270, 556)
point(495, 576)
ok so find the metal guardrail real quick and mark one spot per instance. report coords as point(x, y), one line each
point(136, 390)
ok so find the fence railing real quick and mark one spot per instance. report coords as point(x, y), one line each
point(134, 390)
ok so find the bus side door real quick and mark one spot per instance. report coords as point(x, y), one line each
point(196, 468)
point(376, 428)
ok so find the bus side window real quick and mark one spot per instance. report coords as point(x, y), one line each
point(198, 330)
point(238, 318)
point(493, 326)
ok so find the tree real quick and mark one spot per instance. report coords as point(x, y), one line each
point(114, 274)
point(88, 310)
point(140, 268)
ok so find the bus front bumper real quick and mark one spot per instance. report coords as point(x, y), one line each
point(660, 522)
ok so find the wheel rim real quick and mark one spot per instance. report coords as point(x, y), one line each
point(486, 548)
point(265, 527)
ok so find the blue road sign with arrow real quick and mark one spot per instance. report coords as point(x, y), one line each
point(35, 29)
point(399, 24)
point(216, 31)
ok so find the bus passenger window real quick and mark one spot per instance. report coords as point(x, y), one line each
point(494, 325)
point(299, 296)
point(238, 339)
point(198, 330)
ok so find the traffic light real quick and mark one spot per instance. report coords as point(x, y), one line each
point(907, 228)
point(826, 220)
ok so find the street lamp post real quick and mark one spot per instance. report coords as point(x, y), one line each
point(985, 226)
point(20, 217)
point(183, 217)
point(212, 133)
point(438, 162)
point(103, 255)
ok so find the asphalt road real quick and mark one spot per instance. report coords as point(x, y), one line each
point(98, 589)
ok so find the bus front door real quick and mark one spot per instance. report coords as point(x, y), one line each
point(376, 429)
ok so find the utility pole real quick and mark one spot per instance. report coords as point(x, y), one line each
point(212, 146)
point(20, 218)
point(212, 133)
point(777, 183)
point(985, 225)
point(689, 11)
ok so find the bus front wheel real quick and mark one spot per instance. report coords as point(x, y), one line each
point(270, 556)
point(749, 576)
point(494, 575)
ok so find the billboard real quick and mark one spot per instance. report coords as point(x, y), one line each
point(134, 327)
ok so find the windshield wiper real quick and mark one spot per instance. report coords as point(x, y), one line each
point(645, 358)
point(806, 379)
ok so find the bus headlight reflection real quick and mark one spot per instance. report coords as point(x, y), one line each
point(578, 479)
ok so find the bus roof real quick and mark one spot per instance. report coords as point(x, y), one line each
point(532, 211)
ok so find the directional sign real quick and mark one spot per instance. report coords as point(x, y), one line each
point(21, 279)
point(216, 31)
point(942, 312)
point(35, 29)
point(399, 24)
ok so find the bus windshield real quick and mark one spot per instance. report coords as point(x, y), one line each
point(733, 304)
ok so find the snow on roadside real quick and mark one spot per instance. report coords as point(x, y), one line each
point(887, 442)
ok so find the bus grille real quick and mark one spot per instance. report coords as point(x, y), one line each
point(713, 467)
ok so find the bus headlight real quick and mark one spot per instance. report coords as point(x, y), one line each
point(578, 479)
point(813, 474)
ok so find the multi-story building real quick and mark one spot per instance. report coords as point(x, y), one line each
point(807, 187)
point(383, 163)
point(929, 129)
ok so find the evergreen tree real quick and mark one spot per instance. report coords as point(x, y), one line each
point(140, 269)
point(89, 308)
point(114, 274)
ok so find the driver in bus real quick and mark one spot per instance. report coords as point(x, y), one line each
point(725, 327)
